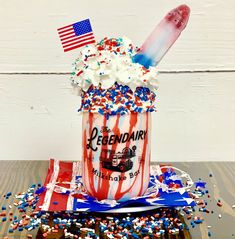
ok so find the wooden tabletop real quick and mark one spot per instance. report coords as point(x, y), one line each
point(17, 176)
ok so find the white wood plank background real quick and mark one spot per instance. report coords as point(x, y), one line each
point(195, 118)
point(196, 113)
point(29, 39)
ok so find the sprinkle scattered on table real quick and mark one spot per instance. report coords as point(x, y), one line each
point(92, 225)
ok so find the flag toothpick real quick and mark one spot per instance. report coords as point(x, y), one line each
point(76, 35)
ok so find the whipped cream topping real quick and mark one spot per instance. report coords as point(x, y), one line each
point(110, 61)
point(110, 83)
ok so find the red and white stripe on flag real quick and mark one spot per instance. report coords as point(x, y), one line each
point(76, 35)
point(58, 172)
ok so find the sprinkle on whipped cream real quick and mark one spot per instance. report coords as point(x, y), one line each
point(106, 67)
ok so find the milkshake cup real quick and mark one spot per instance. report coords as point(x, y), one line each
point(117, 83)
point(116, 155)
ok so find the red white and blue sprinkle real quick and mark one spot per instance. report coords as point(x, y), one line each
point(110, 83)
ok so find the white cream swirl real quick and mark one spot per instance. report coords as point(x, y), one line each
point(110, 61)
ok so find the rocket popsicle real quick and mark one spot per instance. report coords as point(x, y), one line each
point(163, 37)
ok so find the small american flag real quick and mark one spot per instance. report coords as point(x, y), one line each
point(76, 35)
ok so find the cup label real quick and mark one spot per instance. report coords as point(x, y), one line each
point(113, 139)
point(112, 160)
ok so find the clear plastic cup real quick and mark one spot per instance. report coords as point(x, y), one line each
point(116, 155)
